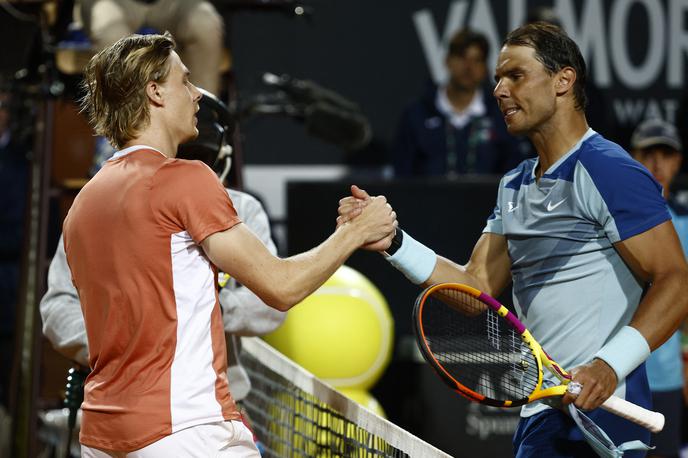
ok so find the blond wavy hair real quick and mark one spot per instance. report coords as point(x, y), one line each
point(114, 85)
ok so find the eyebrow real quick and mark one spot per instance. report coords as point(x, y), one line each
point(509, 70)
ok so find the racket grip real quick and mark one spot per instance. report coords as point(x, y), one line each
point(654, 421)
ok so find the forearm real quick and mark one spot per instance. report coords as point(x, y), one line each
point(280, 283)
point(488, 269)
point(447, 271)
point(657, 317)
point(663, 309)
point(298, 276)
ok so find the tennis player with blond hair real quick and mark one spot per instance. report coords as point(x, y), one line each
point(143, 240)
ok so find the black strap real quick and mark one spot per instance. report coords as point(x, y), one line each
point(396, 242)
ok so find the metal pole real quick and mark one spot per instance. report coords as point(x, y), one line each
point(28, 338)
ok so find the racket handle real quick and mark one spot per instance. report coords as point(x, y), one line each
point(654, 421)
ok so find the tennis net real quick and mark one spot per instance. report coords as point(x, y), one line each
point(295, 414)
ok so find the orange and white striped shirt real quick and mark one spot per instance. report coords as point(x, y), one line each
point(147, 291)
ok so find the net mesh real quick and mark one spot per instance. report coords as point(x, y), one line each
point(294, 414)
point(477, 347)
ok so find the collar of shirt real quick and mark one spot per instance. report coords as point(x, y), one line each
point(589, 133)
point(459, 119)
point(131, 149)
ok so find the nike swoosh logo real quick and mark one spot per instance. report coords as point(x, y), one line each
point(551, 207)
point(511, 207)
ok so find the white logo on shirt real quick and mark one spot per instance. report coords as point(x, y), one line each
point(511, 207)
point(551, 207)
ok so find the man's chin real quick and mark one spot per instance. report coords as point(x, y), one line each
point(515, 129)
point(192, 137)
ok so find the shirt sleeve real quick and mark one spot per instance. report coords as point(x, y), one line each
point(625, 199)
point(63, 321)
point(494, 222)
point(192, 198)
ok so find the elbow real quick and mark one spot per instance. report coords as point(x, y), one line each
point(284, 298)
point(278, 301)
point(279, 304)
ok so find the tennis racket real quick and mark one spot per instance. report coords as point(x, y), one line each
point(483, 352)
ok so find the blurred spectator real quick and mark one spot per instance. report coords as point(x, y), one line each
point(457, 128)
point(14, 178)
point(682, 124)
point(656, 144)
point(196, 26)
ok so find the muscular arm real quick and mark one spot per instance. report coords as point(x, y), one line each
point(656, 258)
point(282, 283)
point(63, 321)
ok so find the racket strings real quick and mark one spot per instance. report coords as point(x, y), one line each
point(477, 348)
point(493, 335)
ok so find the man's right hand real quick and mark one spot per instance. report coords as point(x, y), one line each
point(353, 207)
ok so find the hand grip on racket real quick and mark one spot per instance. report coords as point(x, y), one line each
point(483, 352)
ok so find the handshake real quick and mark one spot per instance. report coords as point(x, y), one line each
point(371, 218)
point(376, 224)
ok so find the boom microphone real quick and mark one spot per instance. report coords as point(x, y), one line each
point(347, 129)
point(327, 115)
point(304, 91)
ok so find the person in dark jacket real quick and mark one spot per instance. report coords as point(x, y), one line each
point(457, 128)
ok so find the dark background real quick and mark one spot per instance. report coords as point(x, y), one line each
point(371, 52)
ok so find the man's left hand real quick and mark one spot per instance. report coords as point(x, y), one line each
point(598, 380)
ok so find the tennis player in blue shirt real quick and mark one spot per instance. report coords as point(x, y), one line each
point(584, 234)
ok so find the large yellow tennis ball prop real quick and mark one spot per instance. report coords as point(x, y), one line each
point(342, 333)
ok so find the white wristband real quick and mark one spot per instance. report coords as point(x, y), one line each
point(414, 259)
point(625, 351)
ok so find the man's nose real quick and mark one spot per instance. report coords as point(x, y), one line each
point(500, 90)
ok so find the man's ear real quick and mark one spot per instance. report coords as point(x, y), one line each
point(565, 79)
point(155, 93)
